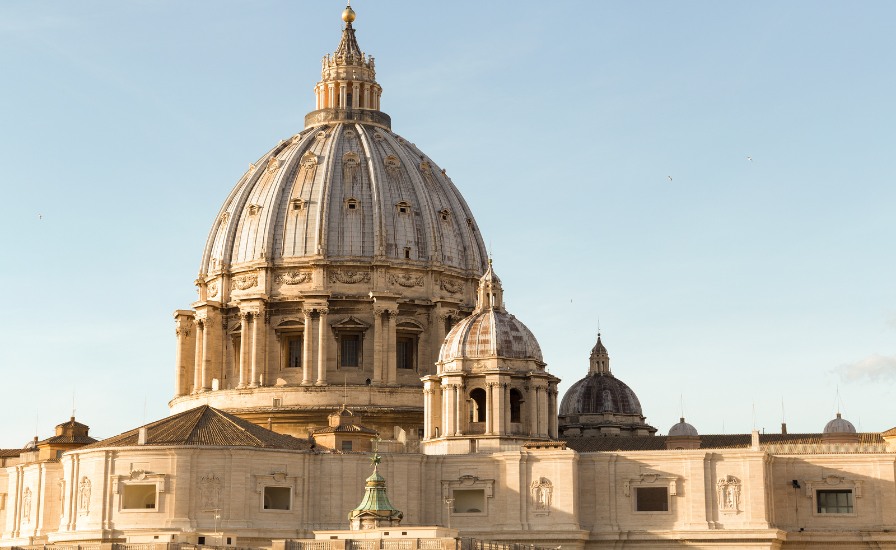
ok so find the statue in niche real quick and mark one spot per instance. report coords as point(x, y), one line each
point(542, 493)
point(84, 496)
point(728, 489)
point(26, 505)
point(210, 491)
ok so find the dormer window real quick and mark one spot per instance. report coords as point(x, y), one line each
point(445, 215)
point(297, 205)
point(254, 209)
point(351, 204)
point(403, 207)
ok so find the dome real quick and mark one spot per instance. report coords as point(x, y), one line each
point(600, 393)
point(683, 429)
point(338, 261)
point(344, 191)
point(490, 334)
point(490, 331)
point(839, 425)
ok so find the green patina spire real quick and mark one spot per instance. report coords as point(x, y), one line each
point(375, 509)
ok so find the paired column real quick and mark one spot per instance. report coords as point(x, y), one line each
point(244, 349)
point(322, 346)
point(306, 347)
point(392, 360)
point(506, 408)
point(489, 403)
point(378, 362)
point(496, 391)
point(183, 325)
point(447, 410)
point(458, 409)
point(552, 413)
point(198, 359)
point(542, 412)
point(206, 356)
point(533, 410)
point(256, 352)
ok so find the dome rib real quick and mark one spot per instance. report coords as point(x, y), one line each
point(323, 210)
point(423, 202)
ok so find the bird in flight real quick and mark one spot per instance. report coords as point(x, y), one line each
point(749, 158)
point(670, 178)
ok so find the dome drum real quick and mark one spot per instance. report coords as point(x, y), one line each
point(361, 116)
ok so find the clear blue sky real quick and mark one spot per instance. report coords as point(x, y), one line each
point(732, 287)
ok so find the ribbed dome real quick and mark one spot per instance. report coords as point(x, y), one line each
point(683, 429)
point(490, 333)
point(600, 393)
point(839, 425)
point(344, 191)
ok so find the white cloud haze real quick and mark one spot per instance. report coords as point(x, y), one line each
point(872, 368)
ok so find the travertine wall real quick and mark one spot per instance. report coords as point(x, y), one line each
point(734, 497)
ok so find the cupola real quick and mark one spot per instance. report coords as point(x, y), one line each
point(839, 430)
point(683, 436)
point(491, 391)
point(600, 404)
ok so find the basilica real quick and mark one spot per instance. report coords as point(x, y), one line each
point(347, 309)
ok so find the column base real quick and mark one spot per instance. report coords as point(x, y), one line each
point(320, 383)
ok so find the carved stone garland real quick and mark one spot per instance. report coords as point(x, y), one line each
point(244, 282)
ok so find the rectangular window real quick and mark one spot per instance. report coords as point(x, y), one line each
point(652, 499)
point(346, 446)
point(294, 354)
point(837, 501)
point(276, 498)
point(469, 501)
point(139, 496)
point(350, 348)
point(404, 352)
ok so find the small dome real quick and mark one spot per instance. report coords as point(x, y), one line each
point(600, 393)
point(683, 429)
point(839, 425)
point(490, 333)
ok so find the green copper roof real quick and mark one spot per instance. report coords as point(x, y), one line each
point(375, 501)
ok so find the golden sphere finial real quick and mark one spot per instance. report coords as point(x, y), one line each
point(348, 15)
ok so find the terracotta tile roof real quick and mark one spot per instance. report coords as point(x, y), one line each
point(205, 426)
point(8, 453)
point(773, 443)
point(68, 439)
point(889, 433)
point(345, 428)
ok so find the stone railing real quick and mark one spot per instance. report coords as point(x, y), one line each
point(408, 544)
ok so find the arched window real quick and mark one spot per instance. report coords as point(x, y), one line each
point(516, 405)
point(477, 405)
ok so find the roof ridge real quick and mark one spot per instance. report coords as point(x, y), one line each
point(231, 419)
